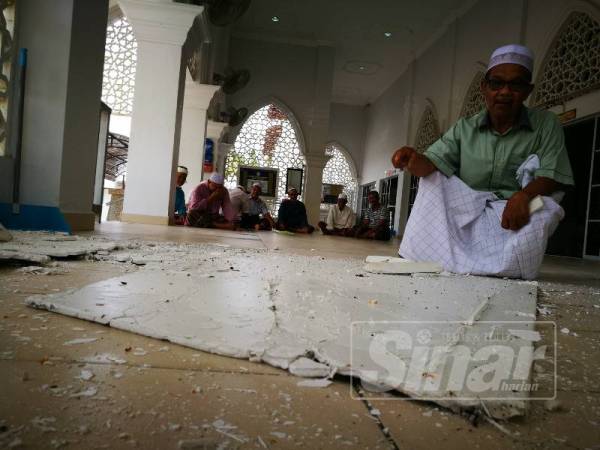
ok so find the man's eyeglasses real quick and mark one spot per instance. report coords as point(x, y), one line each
point(514, 86)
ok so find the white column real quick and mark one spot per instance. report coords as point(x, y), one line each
point(223, 150)
point(311, 194)
point(160, 28)
point(317, 133)
point(193, 130)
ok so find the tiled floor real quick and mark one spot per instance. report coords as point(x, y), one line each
point(152, 394)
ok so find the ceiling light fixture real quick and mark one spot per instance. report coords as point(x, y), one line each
point(275, 19)
point(362, 67)
point(387, 34)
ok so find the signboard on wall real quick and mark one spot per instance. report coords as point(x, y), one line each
point(265, 176)
point(567, 116)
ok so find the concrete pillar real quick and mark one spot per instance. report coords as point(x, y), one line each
point(193, 130)
point(160, 28)
point(313, 185)
point(318, 133)
point(65, 41)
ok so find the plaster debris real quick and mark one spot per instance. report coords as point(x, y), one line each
point(43, 423)
point(321, 321)
point(317, 383)
point(80, 341)
point(278, 434)
point(40, 247)
point(86, 375)
point(5, 235)
point(528, 335)
point(37, 270)
point(390, 265)
point(89, 392)
point(304, 367)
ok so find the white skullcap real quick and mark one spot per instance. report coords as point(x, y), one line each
point(292, 188)
point(217, 178)
point(257, 184)
point(342, 196)
point(512, 54)
point(182, 169)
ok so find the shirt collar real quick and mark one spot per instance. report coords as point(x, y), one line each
point(522, 122)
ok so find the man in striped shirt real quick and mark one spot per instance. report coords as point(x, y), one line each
point(375, 221)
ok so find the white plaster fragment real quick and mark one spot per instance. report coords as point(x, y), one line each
point(316, 383)
point(80, 341)
point(527, 335)
point(304, 367)
point(89, 392)
point(86, 375)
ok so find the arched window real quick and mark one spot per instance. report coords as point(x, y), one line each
point(572, 65)
point(339, 170)
point(267, 139)
point(427, 133)
point(120, 59)
point(474, 101)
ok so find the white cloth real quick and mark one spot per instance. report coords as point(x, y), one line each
point(526, 171)
point(460, 229)
point(340, 219)
point(239, 201)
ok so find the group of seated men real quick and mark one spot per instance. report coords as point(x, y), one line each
point(211, 205)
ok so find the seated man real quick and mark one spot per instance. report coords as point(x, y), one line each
point(239, 203)
point(375, 221)
point(471, 214)
point(292, 214)
point(257, 215)
point(206, 200)
point(180, 208)
point(340, 219)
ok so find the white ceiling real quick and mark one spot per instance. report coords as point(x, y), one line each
point(355, 28)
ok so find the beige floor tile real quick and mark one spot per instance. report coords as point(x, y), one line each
point(156, 408)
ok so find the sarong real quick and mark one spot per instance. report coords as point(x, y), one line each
point(460, 229)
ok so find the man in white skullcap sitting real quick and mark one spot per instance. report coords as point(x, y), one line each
point(207, 201)
point(180, 208)
point(340, 219)
point(474, 212)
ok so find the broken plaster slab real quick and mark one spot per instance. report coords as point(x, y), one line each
point(40, 247)
point(287, 310)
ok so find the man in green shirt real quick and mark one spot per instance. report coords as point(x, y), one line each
point(483, 153)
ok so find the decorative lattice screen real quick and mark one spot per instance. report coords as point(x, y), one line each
point(428, 131)
point(120, 58)
point(474, 100)
point(572, 65)
point(338, 171)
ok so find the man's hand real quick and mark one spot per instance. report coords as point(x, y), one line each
point(516, 212)
point(408, 158)
point(216, 195)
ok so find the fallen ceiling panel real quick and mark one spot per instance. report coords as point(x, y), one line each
point(400, 333)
